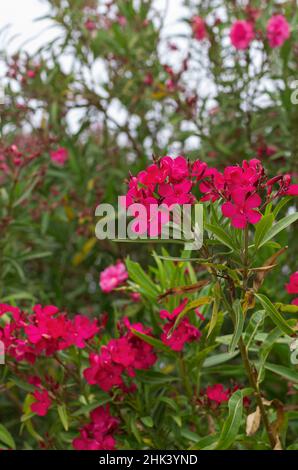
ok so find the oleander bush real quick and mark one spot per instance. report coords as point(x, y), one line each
point(151, 344)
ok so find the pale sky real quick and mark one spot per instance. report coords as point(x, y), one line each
point(19, 15)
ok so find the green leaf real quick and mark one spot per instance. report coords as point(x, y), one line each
point(63, 416)
point(285, 372)
point(232, 424)
point(221, 235)
point(156, 343)
point(189, 435)
point(219, 359)
point(6, 438)
point(138, 275)
point(279, 227)
point(239, 324)
point(262, 228)
point(274, 314)
point(147, 421)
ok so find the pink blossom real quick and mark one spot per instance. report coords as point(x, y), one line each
point(112, 277)
point(199, 28)
point(217, 393)
point(31, 73)
point(241, 210)
point(184, 332)
point(42, 402)
point(98, 434)
point(292, 286)
point(59, 156)
point(241, 34)
point(278, 31)
point(292, 190)
point(90, 25)
point(124, 354)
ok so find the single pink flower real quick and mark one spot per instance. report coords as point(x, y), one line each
point(42, 403)
point(241, 34)
point(217, 393)
point(242, 210)
point(59, 156)
point(278, 31)
point(112, 277)
point(292, 286)
point(199, 28)
point(292, 190)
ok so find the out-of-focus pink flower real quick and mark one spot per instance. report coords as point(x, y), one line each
point(295, 301)
point(31, 73)
point(59, 156)
point(112, 277)
point(278, 31)
point(241, 34)
point(199, 28)
point(42, 403)
point(122, 20)
point(148, 79)
point(293, 190)
point(90, 25)
point(292, 286)
point(135, 297)
point(217, 393)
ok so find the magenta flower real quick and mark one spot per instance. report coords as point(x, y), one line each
point(185, 332)
point(278, 31)
point(242, 210)
point(292, 286)
point(241, 34)
point(42, 402)
point(112, 277)
point(217, 393)
point(59, 156)
point(98, 434)
point(199, 28)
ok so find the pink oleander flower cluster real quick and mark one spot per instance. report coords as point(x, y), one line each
point(292, 287)
point(42, 402)
point(243, 189)
point(112, 277)
point(278, 31)
point(98, 434)
point(185, 332)
point(43, 332)
point(120, 356)
point(243, 32)
point(216, 394)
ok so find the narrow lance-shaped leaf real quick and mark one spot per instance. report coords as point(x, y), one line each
point(279, 227)
point(262, 228)
point(232, 425)
point(274, 314)
point(221, 235)
point(239, 323)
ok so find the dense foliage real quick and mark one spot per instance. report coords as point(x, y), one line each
point(147, 345)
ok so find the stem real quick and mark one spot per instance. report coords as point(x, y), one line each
point(184, 377)
point(244, 351)
point(254, 385)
